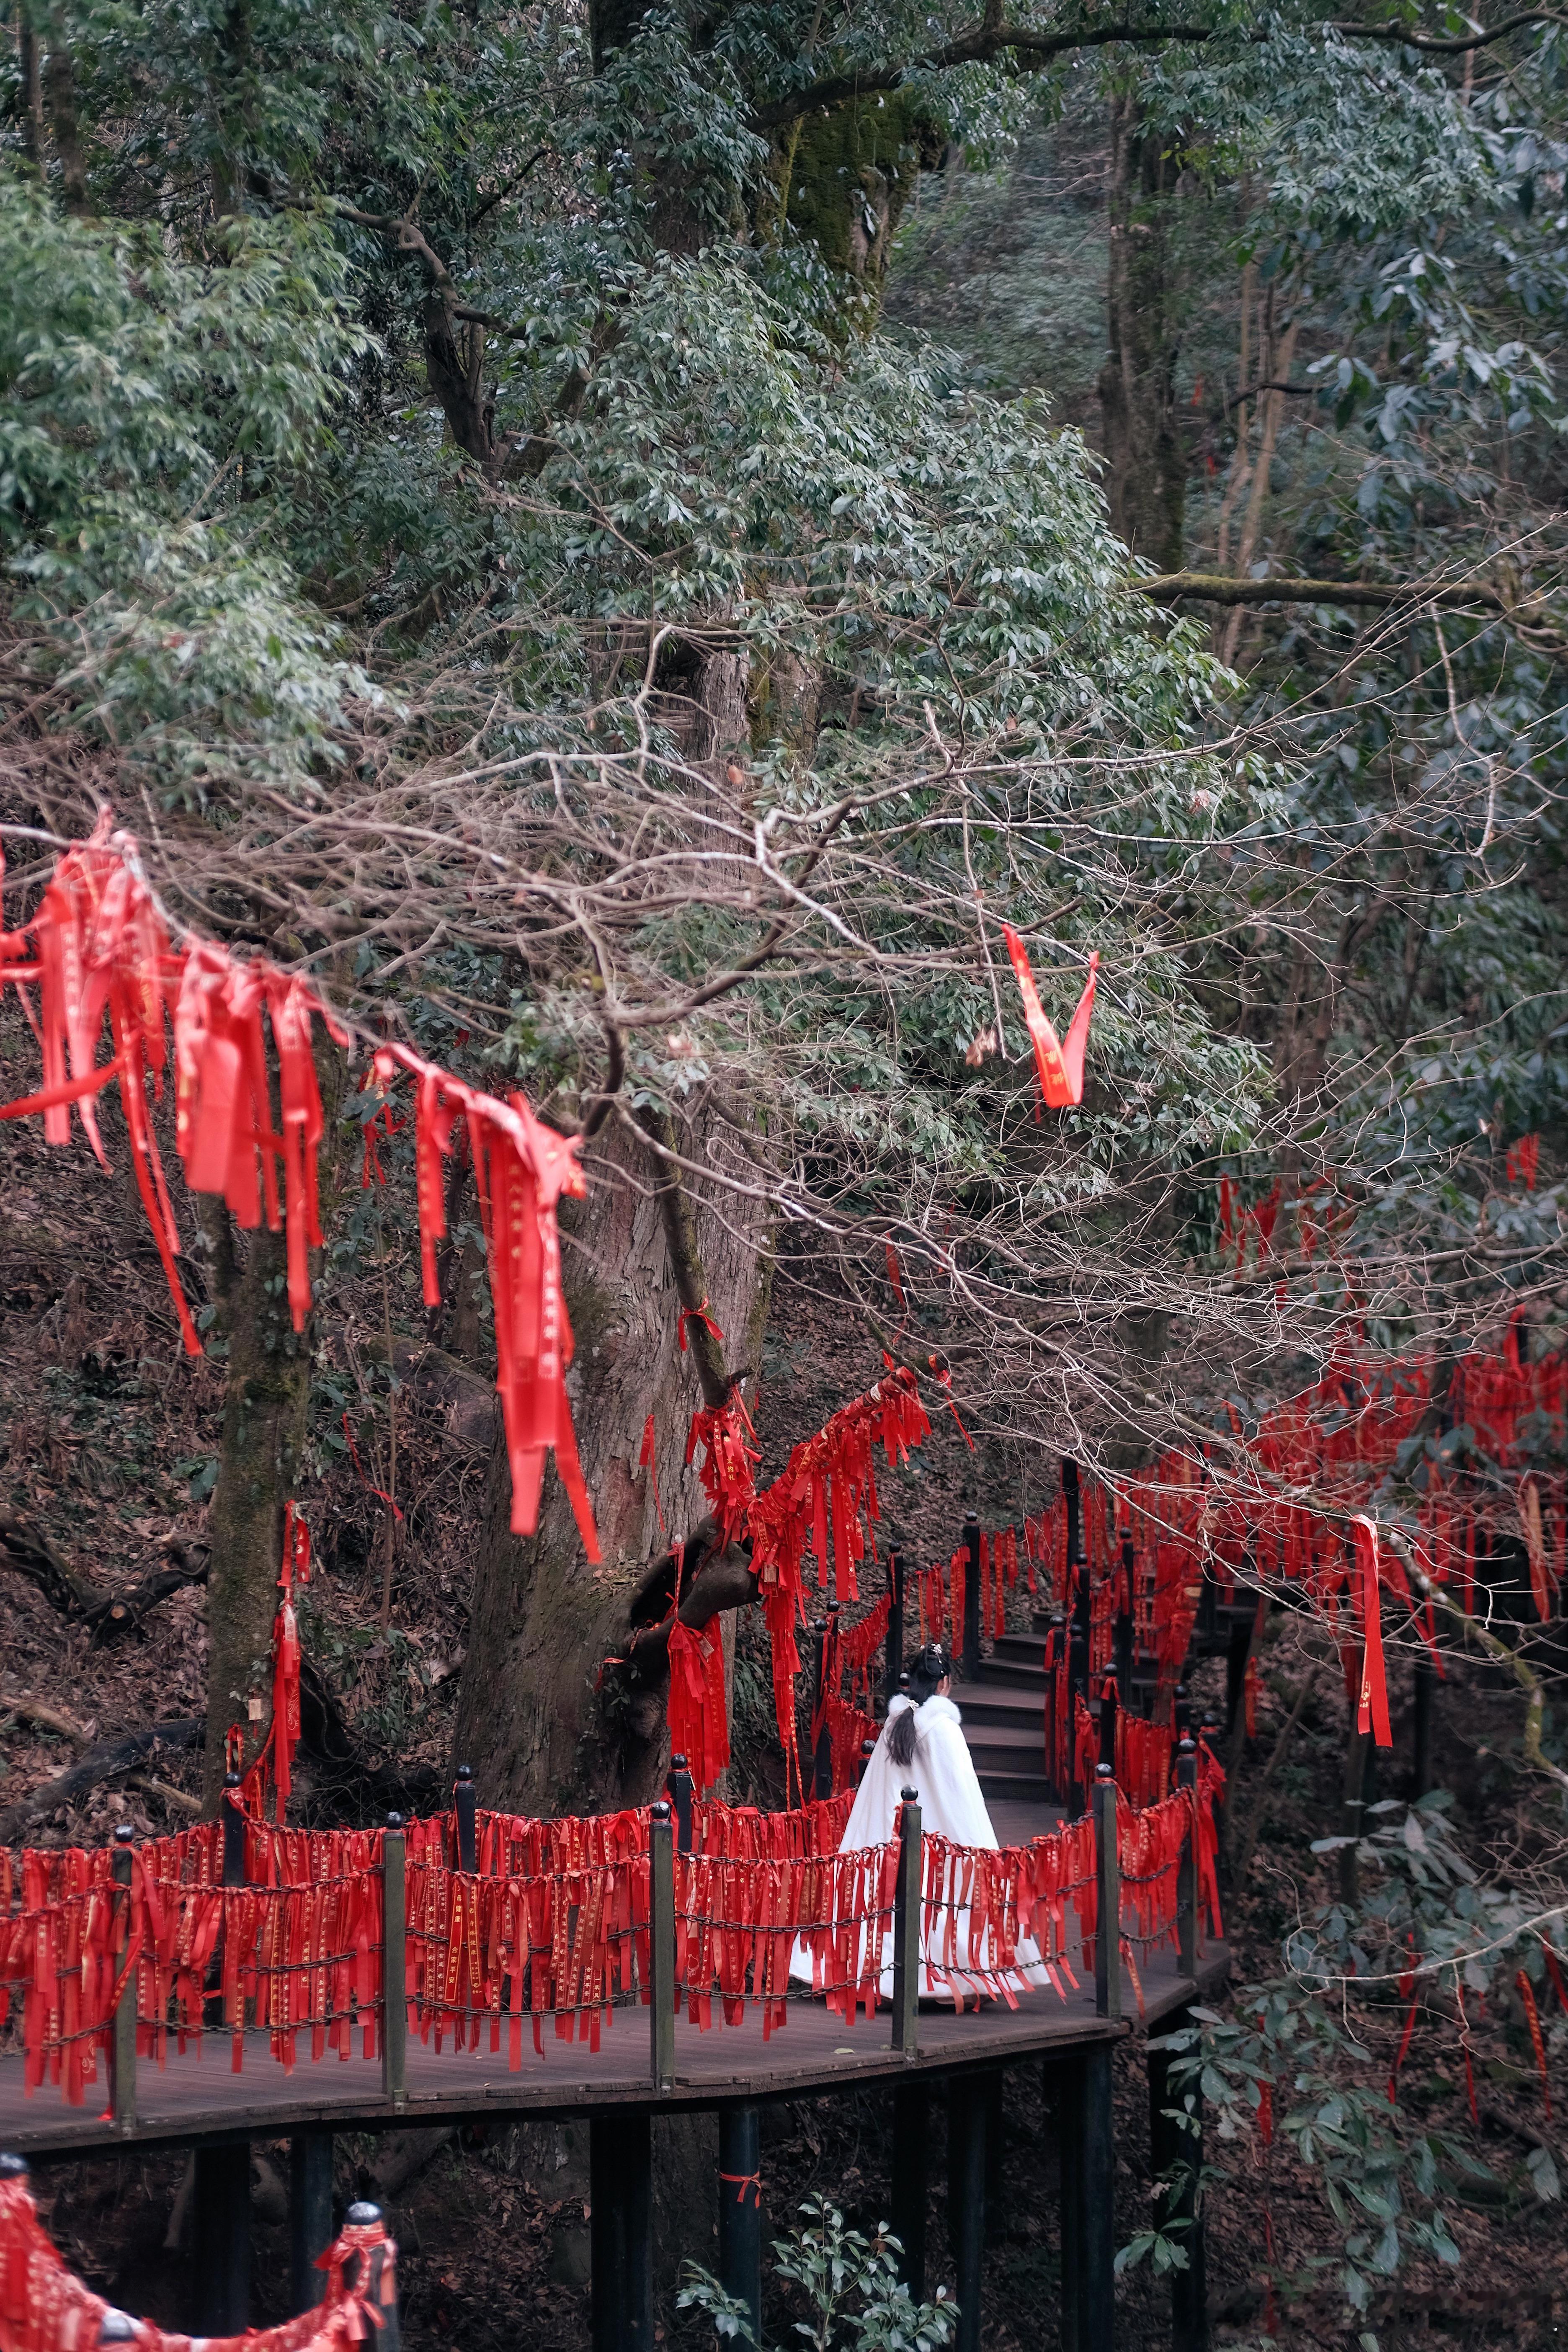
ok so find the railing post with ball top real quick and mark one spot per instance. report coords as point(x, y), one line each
point(1187, 1868)
point(894, 1654)
point(1108, 1904)
point(907, 1928)
point(378, 2288)
point(678, 1787)
point(465, 1806)
point(661, 1946)
point(394, 1963)
point(122, 2047)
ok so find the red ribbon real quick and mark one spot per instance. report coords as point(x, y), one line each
point(696, 1314)
point(1058, 1064)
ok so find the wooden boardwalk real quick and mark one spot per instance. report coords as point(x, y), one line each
point(197, 2096)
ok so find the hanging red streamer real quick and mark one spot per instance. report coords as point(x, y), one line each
point(1058, 1064)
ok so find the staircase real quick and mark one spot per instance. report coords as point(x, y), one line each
point(1003, 1721)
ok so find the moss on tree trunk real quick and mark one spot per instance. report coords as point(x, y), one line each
point(531, 1719)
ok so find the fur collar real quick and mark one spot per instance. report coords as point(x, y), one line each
point(937, 1709)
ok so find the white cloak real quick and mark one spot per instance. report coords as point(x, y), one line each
point(941, 1773)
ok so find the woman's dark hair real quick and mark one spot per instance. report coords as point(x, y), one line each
point(928, 1668)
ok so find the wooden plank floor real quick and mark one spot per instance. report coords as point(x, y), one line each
point(197, 2096)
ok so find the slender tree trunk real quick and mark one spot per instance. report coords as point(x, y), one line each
point(266, 1410)
point(266, 1417)
point(1146, 472)
point(543, 1621)
point(60, 93)
point(29, 60)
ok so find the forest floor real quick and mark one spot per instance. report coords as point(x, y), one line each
point(107, 1437)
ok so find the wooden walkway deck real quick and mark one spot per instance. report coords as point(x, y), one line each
point(197, 2096)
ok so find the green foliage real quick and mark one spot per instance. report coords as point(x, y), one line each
point(135, 394)
point(1312, 2054)
point(848, 2287)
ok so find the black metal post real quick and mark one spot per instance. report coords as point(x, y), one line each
point(221, 2226)
point(967, 2103)
point(389, 2335)
point(1123, 1643)
point(1057, 1651)
point(1108, 1700)
point(1097, 2286)
point(465, 1805)
point(911, 2182)
point(1182, 1711)
point(620, 2234)
point(822, 1753)
point(893, 1657)
point(394, 1963)
point(907, 1928)
point(122, 2048)
point(972, 1596)
point(741, 2209)
point(1175, 2154)
point(1108, 1902)
point(661, 1944)
point(233, 1832)
point(310, 2215)
point(678, 1787)
point(1426, 1695)
point(1187, 1888)
point(867, 1749)
point(1073, 1494)
point(1079, 1642)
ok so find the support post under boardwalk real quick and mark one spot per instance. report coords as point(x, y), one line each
point(741, 2209)
point(221, 2221)
point(968, 2107)
point(310, 2216)
point(620, 2231)
point(1097, 2282)
point(911, 2180)
point(1064, 2092)
point(1173, 2149)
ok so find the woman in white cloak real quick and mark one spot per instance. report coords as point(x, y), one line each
point(922, 1748)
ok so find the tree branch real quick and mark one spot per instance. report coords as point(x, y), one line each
point(990, 39)
point(1400, 37)
point(1218, 588)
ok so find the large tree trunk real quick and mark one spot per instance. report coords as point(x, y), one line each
point(530, 1719)
point(1145, 474)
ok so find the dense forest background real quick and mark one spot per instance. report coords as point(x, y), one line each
point(627, 545)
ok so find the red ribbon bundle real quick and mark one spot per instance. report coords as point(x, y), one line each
point(698, 1721)
point(858, 1645)
point(45, 2308)
point(101, 944)
point(727, 1465)
point(832, 1470)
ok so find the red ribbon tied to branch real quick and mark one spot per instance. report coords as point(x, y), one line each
point(1371, 1709)
point(1057, 1062)
point(696, 1314)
